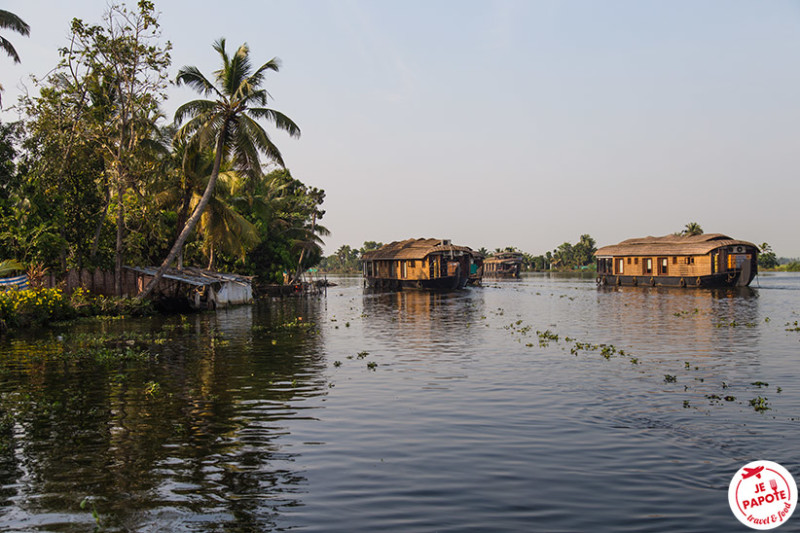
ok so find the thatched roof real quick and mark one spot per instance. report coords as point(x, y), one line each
point(412, 249)
point(505, 257)
point(671, 245)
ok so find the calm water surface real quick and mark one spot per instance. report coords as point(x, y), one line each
point(544, 404)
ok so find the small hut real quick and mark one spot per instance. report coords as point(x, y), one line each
point(418, 264)
point(201, 289)
point(707, 260)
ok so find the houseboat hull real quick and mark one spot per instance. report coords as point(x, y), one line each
point(695, 282)
point(503, 275)
point(437, 284)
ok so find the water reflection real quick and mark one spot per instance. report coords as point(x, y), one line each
point(229, 421)
point(188, 435)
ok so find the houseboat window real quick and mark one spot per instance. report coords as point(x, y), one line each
point(629, 260)
point(664, 263)
point(648, 266)
point(690, 260)
point(404, 269)
point(675, 260)
point(621, 268)
point(411, 264)
point(635, 260)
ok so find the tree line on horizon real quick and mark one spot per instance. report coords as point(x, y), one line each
point(93, 175)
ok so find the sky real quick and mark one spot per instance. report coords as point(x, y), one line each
point(507, 123)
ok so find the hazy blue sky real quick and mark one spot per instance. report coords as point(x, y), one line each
point(522, 123)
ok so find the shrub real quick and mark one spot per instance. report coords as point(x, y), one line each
point(33, 306)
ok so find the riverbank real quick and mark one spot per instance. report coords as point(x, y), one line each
point(21, 309)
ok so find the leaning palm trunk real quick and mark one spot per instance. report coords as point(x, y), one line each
point(193, 220)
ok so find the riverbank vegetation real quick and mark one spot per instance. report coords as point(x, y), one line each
point(93, 175)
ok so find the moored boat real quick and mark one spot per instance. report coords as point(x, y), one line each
point(707, 260)
point(503, 265)
point(433, 264)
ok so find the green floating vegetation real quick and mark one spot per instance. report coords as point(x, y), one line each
point(669, 378)
point(372, 365)
point(760, 404)
point(546, 337)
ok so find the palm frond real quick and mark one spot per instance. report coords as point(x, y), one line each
point(280, 120)
point(195, 79)
point(10, 21)
point(194, 108)
point(9, 49)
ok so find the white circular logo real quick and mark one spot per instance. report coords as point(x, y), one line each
point(762, 495)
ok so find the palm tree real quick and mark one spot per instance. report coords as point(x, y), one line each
point(692, 228)
point(230, 122)
point(9, 21)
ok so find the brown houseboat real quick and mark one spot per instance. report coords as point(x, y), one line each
point(503, 265)
point(708, 260)
point(418, 264)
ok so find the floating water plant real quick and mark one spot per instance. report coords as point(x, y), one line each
point(760, 384)
point(669, 378)
point(372, 365)
point(760, 404)
point(362, 355)
point(337, 364)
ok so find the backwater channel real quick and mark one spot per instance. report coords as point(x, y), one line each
point(543, 404)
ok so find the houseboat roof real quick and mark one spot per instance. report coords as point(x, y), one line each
point(413, 249)
point(671, 245)
point(503, 257)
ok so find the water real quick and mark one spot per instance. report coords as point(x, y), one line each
point(407, 411)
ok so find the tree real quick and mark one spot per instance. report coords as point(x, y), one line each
point(231, 123)
point(767, 258)
point(692, 228)
point(583, 251)
point(123, 65)
point(9, 21)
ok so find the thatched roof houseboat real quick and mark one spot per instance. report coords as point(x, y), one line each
point(707, 260)
point(503, 265)
point(418, 264)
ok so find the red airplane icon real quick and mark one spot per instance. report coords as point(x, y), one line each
point(750, 472)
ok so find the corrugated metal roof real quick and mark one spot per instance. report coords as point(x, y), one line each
point(413, 249)
point(671, 245)
point(194, 276)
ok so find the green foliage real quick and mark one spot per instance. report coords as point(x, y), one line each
point(347, 260)
point(88, 179)
point(569, 256)
point(793, 266)
point(33, 306)
point(766, 257)
point(692, 228)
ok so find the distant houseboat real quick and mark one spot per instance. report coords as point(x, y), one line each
point(709, 260)
point(418, 264)
point(503, 265)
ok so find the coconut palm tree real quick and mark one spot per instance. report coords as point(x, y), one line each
point(692, 228)
point(230, 122)
point(9, 21)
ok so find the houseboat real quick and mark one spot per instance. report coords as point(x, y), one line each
point(418, 264)
point(707, 260)
point(503, 265)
